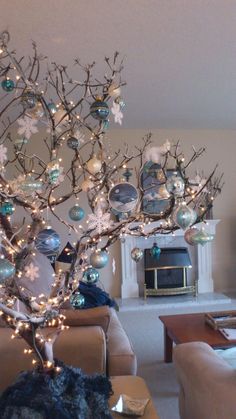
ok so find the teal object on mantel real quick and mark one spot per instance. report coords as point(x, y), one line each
point(155, 251)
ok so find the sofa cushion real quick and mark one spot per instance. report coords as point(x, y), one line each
point(97, 316)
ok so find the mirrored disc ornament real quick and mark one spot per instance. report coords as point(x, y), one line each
point(77, 300)
point(48, 242)
point(8, 85)
point(202, 237)
point(76, 213)
point(123, 197)
point(155, 251)
point(7, 269)
point(184, 216)
point(136, 254)
point(99, 110)
point(99, 259)
point(175, 185)
point(90, 276)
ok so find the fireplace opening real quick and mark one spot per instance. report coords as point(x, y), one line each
point(168, 274)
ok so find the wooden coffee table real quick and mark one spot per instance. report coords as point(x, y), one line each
point(182, 328)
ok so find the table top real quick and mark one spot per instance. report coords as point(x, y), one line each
point(182, 328)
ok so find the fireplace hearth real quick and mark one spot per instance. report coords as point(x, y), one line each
point(201, 256)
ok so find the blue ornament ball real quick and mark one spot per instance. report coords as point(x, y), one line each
point(73, 143)
point(77, 300)
point(76, 213)
point(52, 108)
point(7, 208)
point(155, 251)
point(99, 110)
point(7, 269)
point(90, 276)
point(47, 242)
point(8, 85)
point(99, 259)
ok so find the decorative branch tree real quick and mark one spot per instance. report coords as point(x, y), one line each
point(75, 114)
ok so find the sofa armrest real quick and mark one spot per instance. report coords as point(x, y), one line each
point(207, 382)
point(121, 358)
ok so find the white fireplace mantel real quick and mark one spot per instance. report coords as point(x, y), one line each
point(130, 269)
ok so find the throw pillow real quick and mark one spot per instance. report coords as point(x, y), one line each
point(97, 316)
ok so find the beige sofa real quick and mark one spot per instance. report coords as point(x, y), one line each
point(207, 383)
point(95, 342)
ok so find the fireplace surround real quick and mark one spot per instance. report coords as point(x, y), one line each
point(132, 285)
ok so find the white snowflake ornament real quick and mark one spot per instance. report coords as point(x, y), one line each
point(99, 221)
point(32, 272)
point(118, 115)
point(3, 154)
point(27, 126)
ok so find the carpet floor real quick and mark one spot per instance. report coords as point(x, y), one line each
point(145, 331)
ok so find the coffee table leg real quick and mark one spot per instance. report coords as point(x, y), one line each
point(168, 346)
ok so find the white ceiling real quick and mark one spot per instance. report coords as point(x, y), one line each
point(180, 54)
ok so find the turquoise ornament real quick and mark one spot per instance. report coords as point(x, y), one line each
point(155, 251)
point(99, 259)
point(90, 276)
point(136, 254)
point(48, 242)
point(54, 175)
point(73, 143)
point(52, 108)
point(202, 237)
point(7, 269)
point(28, 99)
point(175, 185)
point(76, 213)
point(184, 216)
point(77, 300)
point(7, 208)
point(8, 85)
point(99, 110)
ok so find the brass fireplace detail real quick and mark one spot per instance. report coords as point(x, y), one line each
point(168, 274)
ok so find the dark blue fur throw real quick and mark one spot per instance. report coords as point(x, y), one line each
point(68, 395)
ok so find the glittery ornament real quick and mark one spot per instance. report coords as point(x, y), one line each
point(184, 216)
point(114, 90)
point(8, 85)
point(99, 259)
point(94, 165)
point(136, 254)
point(188, 235)
point(90, 276)
point(99, 110)
point(28, 99)
point(77, 300)
point(76, 213)
point(53, 171)
point(73, 143)
point(7, 269)
point(86, 185)
point(202, 237)
point(48, 242)
point(7, 208)
point(175, 185)
point(155, 251)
